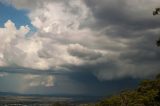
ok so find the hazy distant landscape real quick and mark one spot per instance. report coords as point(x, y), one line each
point(46, 100)
point(31, 100)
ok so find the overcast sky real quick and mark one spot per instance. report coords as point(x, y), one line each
point(88, 47)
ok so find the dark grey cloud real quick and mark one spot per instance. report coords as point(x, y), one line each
point(102, 88)
point(122, 14)
point(132, 20)
point(22, 70)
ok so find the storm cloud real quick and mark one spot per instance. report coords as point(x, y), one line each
point(103, 39)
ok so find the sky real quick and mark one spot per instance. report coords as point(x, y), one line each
point(77, 47)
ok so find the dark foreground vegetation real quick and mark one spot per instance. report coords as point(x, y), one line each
point(147, 94)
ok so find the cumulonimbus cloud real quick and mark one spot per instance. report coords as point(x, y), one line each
point(84, 35)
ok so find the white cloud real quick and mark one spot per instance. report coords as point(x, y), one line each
point(9, 37)
point(49, 81)
point(40, 80)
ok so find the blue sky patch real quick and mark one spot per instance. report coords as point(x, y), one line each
point(19, 17)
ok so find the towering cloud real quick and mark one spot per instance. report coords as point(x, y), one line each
point(107, 38)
